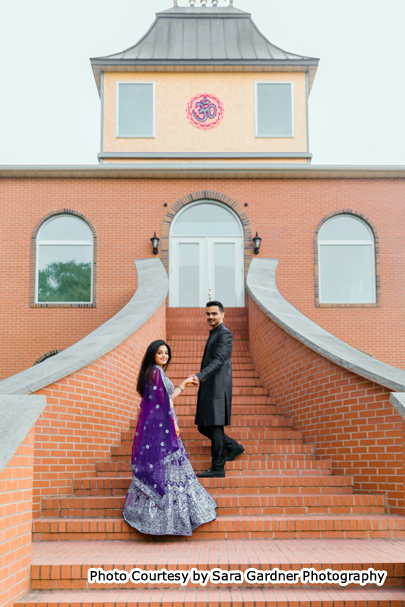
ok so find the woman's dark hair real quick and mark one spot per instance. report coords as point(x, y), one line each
point(148, 363)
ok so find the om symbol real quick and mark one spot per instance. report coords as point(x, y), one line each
point(205, 111)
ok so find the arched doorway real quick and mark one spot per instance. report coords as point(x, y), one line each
point(206, 256)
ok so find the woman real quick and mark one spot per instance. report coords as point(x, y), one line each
point(165, 496)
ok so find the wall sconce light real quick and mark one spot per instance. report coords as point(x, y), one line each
point(257, 241)
point(155, 243)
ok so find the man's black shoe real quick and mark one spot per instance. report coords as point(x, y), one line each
point(212, 473)
point(234, 453)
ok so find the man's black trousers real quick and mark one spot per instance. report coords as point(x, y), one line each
point(219, 442)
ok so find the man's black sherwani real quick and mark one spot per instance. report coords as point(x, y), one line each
point(215, 392)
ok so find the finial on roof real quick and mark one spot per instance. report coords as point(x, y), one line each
point(175, 2)
point(203, 2)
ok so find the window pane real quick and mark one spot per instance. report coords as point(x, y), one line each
point(207, 220)
point(225, 274)
point(135, 110)
point(68, 228)
point(347, 274)
point(274, 110)
point(64, 274)
point(189, 275)
point(344, 227)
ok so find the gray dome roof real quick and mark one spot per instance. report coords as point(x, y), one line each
point(205, 36)
point(198, 34)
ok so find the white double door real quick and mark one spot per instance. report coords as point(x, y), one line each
point(204, 269)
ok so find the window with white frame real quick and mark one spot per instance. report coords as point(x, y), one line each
point(64, 261)
point(136, 109)
point(274, 109)
point(346, 261)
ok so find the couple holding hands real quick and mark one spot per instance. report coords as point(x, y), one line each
point(165, 497)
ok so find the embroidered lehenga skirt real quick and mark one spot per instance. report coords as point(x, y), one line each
point(187, 504)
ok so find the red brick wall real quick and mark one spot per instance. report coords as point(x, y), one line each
point(350, 419)
point(87, 411)
point(125, 214)
point(16, 523)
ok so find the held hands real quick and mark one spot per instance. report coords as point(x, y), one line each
point(191, 381)
point(194, 380)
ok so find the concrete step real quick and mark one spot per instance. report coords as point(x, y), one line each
point(215, 597)
point(75, 558)
point(232, 504)
point(242, 463)
point(240, 485)
point(366, 526)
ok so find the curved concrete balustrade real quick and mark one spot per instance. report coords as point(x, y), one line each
point(151, 293)
point(262, 287)
point(18, 414)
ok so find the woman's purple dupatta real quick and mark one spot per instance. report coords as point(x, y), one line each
point(155, 439)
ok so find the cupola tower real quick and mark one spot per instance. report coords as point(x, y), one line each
point(204, 84)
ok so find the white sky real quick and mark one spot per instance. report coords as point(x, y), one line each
point(50, 109)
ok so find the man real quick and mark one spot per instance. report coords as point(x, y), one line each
point(215, 392)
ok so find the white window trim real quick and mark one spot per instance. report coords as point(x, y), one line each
point(205, 201)
point(64, 243)
point(117, 135)
point(364, 243)
point(290, 136)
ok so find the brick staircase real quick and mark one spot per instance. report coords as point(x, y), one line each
point(277, 507)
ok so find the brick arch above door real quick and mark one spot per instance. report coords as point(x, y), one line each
point(206, 196)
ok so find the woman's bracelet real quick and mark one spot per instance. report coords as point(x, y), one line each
point(182, 389)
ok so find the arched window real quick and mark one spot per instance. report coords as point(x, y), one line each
point(64, 261)
point(346, 261)
point(206, 219)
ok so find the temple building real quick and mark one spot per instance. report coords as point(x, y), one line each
point(205, 189)
point(205, 143)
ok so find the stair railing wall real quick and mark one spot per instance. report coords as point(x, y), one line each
point(90, 389)
point(18, 415)
point(326, 389)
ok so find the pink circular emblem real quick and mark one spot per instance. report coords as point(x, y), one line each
point(205, 111)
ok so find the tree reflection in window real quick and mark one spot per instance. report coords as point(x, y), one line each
point(64, 261)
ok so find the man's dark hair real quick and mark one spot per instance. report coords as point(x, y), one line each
point(215, 303)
